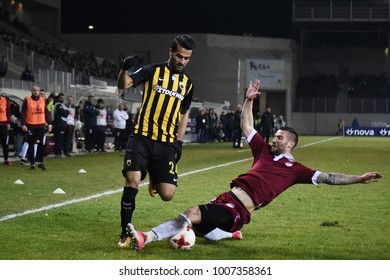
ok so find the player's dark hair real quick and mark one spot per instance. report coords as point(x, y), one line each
point(183, 40)
point(293, 132)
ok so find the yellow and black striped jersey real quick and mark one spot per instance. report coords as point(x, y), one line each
point(166, 92)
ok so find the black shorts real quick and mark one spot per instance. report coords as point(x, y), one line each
point(157, 158)
point(225, 212)
point(214, 216)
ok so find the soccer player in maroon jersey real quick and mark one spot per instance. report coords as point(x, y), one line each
point(273, 171)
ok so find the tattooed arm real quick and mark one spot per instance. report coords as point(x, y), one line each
point(333, 178)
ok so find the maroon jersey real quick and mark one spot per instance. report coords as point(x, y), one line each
point(270, 174)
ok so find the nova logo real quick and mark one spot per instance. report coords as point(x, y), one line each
point(384, 132)
point(360, 132)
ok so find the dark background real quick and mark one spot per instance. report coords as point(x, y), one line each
point(269, 18)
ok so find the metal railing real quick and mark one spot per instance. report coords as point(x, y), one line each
point(346, 14)
point(53, 76)
point(366, 105)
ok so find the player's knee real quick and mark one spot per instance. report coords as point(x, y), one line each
point(193, 214)
point(166, 196)
point(166, 191)
point(132, 178)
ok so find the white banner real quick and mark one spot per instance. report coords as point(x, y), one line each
point(197, 270)
point(271, 73)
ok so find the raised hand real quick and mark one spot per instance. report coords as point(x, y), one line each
point(253, 90)
point(131, 61)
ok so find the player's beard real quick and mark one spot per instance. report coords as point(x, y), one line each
point(175, 66)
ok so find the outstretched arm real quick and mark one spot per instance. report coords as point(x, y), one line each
point(247, 115)
point(333, 178)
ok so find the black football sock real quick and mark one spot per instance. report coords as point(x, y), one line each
point(127, 206)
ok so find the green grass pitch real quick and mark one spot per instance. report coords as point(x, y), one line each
point(303, 223)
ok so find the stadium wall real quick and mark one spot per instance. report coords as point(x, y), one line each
point(326, 123)
point(218, 68)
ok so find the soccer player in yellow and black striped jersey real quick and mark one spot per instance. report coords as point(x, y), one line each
point(156, 143)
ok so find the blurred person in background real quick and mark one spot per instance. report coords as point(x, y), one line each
point(101, 125)
point(17, 128)
point(35, 116)
point(120, 117)
point(90, 113)
point(237, 132)
point(27, 74)
point(267, 124)
point(70, 125)
point(5, 125)
point(3, 66)
point(61, 113)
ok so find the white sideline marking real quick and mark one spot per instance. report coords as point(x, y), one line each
point(68, 202)
point(319, 142)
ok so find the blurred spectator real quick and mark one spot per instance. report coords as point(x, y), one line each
point(35, 117)
point(27, 74)
point(218, 132)
point(101, 124)
point(50, 103)
point(71, 123)
point(5, 125)
point(213, 118)
point(267, 124)
point(355, 123)
point(340, 127)
point(229, 125)
point(43, 93)
point(17, 128)
point(120, 118)
point(79, 111)
point(280, 122)
point(201, 124)
point(3, 66)
point(223, 120)
point(61, 113)
point(237, 132)
point(90, 113)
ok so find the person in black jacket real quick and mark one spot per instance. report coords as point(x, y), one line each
point(90, 113)
point(3, 66)
point(17, 128)
point(237, 132)
point(61, 113)
point(267, 124)
point(27, 74)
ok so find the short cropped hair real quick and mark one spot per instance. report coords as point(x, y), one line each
point(292, 132)
point(183, 40)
